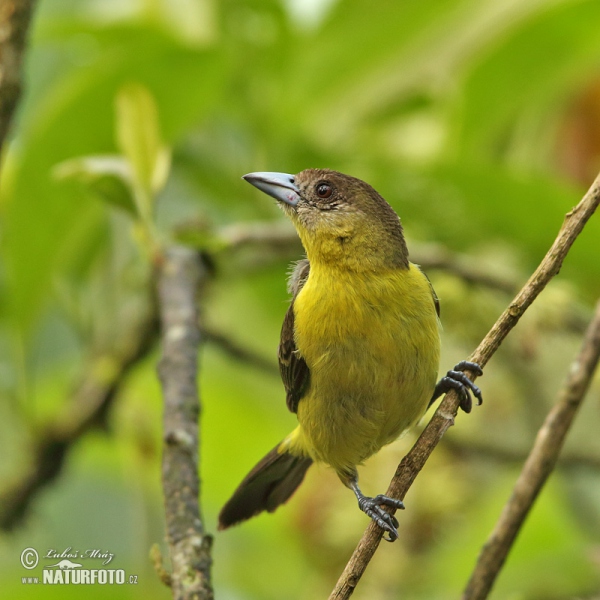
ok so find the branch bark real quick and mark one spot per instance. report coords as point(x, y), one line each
point(15, 16)
point(539, 464)
point(443, 417)
point(180, 278)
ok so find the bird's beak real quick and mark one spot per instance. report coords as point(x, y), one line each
point(279, 185)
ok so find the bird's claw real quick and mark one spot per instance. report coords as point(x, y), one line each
point(372, 507)
point(455, 379)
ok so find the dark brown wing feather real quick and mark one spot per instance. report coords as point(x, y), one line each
point(271, 483)
point(294, 370)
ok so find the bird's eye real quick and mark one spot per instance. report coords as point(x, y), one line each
point(324, 190)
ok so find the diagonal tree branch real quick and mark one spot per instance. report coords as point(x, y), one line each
point(15, 16)
point(444, 416)
point(539, 465)
point(88, 408)
point(181, 275)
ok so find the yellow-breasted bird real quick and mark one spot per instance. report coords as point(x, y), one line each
point(360, 344)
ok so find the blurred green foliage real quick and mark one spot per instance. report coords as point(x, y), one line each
point(478, 120)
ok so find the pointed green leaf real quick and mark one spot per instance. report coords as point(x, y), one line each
point(139, 139)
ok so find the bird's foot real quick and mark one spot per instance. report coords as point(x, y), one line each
point(373, 508)
point(455, 379)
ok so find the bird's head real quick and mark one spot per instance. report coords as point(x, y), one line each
point(341, 220)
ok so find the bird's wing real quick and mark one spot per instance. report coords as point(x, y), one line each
point(294, 370)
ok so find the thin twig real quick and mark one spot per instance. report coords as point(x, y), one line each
point(504, 454)
point(15, 16)
point(538, 466)
point(444, 416)
point(279, 237)
point(238, 352)
point(157, 562)
point(182, 274)
point(435, 257)
point(88, 408)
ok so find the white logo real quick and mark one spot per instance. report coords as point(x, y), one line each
point(29, 558)
point(64, 564)
point(67, 567)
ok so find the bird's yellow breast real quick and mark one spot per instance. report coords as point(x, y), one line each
point(371, 342)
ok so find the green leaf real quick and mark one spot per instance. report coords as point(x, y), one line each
point(108, 177)
point(139, 139)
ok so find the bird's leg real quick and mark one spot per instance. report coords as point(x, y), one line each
point(457, 380)
point(372, 508)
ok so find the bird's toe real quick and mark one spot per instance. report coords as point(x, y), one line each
point(372, 507)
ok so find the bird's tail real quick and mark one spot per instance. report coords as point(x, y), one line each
point(271, 483)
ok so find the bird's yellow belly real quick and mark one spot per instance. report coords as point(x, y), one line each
point(373, 354)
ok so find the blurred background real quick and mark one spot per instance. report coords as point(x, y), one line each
point(478, 120)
